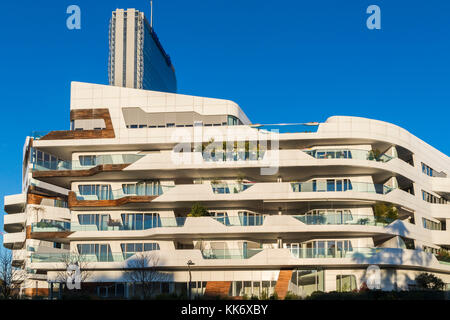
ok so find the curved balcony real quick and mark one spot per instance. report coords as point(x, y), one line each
point(50, 229)
point(347, 154)
point(113, 198)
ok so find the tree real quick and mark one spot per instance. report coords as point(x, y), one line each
point(428, 281)
point(10, 277)
point(385, 213)
point(198, 210)
point(141, 270)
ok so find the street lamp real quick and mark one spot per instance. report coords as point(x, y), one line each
point(189, 264)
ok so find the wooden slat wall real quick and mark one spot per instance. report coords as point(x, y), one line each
point(74, 202)
point(81, 114)
point(282, 285)
point(217, 288)
point(80, 173)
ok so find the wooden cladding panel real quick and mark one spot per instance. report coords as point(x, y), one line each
point(49, 235)
point(80, 173)
point(84, 114)
point(43, 292)
point(217, 288)
point(282, 285)
point(74, 202)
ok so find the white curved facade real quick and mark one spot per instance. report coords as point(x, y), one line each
point(294, 214)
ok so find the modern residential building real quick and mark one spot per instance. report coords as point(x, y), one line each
point(311, 208)
point(136, 57)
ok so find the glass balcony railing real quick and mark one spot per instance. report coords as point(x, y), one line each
point(50, 226)
point(348, 154)
point(167, 222)
point(317, 253)
point(86, 164)
point(338, 219)
point(65, 257)
point(224, 188)
point(229, 253)
point(233, 156)
point(324, 186)
point(164, 222)
point(243, 221)
point(36, 135)
point(119, 193)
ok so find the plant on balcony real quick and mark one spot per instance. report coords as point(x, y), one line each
point(374, 154)
point(443, 255)
point(428, 281)
point(385, 213)
point(198, 210)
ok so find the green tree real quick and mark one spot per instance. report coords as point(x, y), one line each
point(428, 281)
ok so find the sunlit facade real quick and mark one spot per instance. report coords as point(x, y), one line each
point(306, 209)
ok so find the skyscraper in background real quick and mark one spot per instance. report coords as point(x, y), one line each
point(136, 56)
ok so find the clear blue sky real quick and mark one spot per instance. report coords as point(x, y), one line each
point(305, 60)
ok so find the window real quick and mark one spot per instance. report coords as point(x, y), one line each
point(145, 188)
point(428, 197)
point(250, 219)
point(427, 170)
point(233, 121)
point(102, 191)
point(221, 217)
point(130, 249)
point(102, 252)
point(431, 225)
point(345, 283)
point(99, 220)
point(140, 221)
point(88, 160)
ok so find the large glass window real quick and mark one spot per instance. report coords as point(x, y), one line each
point(146, 188)
point(345, 283)
point(102, 191)
point(250, 219)
point(88, 160)
point(98, 252)
point(130, 249)
point(140, 221)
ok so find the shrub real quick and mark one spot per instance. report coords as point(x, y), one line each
point(198, 210)
point(385, 213)
point(291, 296)
point(428, 281)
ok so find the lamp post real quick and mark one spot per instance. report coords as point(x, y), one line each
point(189, 264)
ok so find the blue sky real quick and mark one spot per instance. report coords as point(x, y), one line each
point(307, 60)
